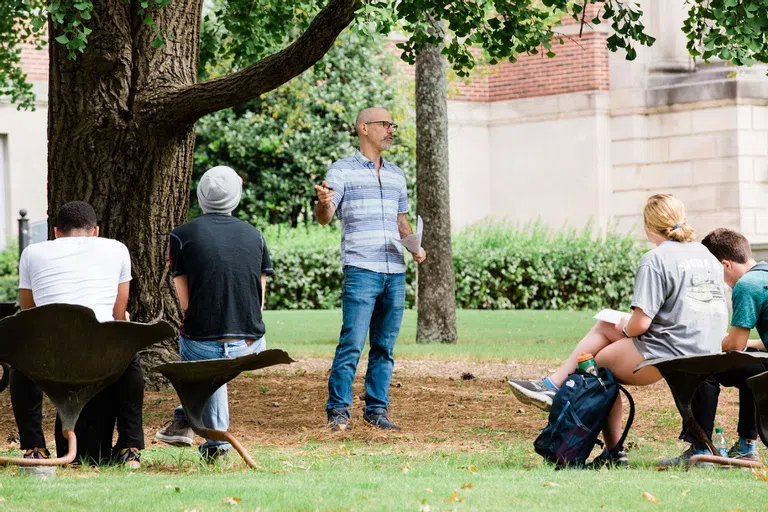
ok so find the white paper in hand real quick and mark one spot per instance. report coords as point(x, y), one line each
point(611, 316)
point(412, 242)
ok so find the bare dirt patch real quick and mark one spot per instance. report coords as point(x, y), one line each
point(430, 400)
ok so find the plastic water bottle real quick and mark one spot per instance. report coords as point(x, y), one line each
point(719, 441)
point(587, 364)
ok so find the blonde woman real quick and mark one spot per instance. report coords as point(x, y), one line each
point(678, 308)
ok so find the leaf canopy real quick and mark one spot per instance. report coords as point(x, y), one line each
point(240, 32)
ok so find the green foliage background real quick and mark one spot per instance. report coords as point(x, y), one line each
point(283, 142)
point(497, 266)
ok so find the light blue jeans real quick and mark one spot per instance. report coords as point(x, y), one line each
point(216, 412)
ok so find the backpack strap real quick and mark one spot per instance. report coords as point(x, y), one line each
point(620, 445)
point(759, 266)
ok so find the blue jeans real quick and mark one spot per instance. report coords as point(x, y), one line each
point(375, 301)
point(216, 411)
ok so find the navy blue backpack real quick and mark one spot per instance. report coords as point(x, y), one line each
point(579, 410)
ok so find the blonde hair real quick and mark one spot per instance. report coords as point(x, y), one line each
point(665, 214)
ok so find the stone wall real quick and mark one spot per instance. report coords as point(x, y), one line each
point(712, 157)
point(24, 166)
point(544, 158)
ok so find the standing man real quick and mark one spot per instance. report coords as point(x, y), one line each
point(370, 197)
point(79, 267)
point(220, 266)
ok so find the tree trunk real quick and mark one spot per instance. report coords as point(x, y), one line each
point(121, 129)
point(103, 148)
point(436, 284)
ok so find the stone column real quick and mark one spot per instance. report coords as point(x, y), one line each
point(665, 21)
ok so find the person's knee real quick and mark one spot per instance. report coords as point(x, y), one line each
point(602, 327)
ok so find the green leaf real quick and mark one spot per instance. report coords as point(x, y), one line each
point(63, 39)
point(157, 42)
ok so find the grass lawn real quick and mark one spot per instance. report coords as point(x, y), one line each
point(522, 336)
point(347, 477)
point(489, 466)
point(483, 335)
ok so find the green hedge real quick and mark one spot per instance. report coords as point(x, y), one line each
point(9, 273)
point(497, 266)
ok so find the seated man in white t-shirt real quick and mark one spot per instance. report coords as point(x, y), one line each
point(80, 268)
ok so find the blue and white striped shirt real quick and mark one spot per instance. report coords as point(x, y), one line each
point(368, 211)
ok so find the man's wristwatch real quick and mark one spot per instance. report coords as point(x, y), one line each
point(624, 332)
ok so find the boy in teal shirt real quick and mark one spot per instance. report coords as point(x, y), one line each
point(749, 283)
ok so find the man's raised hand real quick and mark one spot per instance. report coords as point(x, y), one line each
point(324, 193)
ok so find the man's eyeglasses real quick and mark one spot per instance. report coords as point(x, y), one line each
point(385, 124)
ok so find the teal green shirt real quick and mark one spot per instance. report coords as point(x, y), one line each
point(750, 303)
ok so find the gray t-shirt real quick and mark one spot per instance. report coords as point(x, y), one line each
point(680, 286)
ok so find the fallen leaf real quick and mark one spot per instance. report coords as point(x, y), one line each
point(455, 498)
point(674, 477)
point(427, 490)
point(233, 500)
point(275, 404)
point(760, 474)
point(470, 468)
point(686, 492)
point(466, 486)
point(2, 499)
point(650, 497)
point(551, 484)
point(424, 507)
point(521, 411)
point(405, 468)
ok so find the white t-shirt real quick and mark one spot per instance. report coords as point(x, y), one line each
point(82, 270)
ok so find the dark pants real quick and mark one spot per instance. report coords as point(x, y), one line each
point(705, 401)
point(120, 402)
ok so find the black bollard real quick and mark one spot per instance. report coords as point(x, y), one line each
point(23, 231)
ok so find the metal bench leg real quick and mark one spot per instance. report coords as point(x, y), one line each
point(683, 387)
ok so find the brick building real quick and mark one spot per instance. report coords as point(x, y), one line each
point(585, 137)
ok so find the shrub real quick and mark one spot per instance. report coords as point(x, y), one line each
point(500, 266)
point(9, 273)
point(497, 266)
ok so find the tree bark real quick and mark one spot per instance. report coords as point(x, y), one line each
point(436, 283)
point(107, 146)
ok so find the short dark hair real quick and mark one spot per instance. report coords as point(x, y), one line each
point(726, 244)
point(76, 215)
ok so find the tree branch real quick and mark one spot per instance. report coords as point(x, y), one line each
point(186, 105)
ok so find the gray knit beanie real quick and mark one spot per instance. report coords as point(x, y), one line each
point(219, 190)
